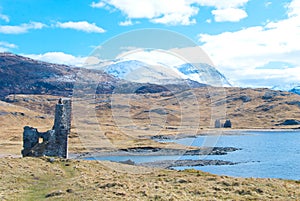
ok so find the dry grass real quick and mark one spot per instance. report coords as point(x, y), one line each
point(35, 179)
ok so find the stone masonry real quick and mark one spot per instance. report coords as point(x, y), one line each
point(53, 142)
point(227, 124)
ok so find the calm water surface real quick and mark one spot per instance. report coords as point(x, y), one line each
point(264, 154)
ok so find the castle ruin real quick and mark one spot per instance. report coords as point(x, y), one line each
point(52, 142)
point(227, 124)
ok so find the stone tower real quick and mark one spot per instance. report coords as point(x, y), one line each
point(227, 123)
point(62, 126)
point(218, 123)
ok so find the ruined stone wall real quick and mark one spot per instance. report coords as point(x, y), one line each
point(227, 124)
point(55, 141)
point(30, 139)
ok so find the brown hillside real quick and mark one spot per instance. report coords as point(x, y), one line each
point(125, 120)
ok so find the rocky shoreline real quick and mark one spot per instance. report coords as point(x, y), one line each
point(169, 164)
point(156, 151)
point(170, 151)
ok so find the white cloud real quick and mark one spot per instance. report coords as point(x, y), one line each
point(24, 28)
point(126, 23)
point(153, 57)
point(81, 26)
point(221, 4)
point(170, 57)
point(175, 18)
point(208, 21)
point(97, 5)
point(58, 58)
point(4, 17)
point(229, 15)
point(5, 46)
point(294, 8)
point(226, 11)
point(19, 29)
point(169, 12)
point(240, 53)
point(268, 4)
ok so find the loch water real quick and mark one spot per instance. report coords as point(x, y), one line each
point(263, 154)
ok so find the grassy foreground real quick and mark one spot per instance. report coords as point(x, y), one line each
point(45, 178)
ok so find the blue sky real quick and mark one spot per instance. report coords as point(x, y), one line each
point(253, 42)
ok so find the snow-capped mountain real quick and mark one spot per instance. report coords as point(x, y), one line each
point(158, 73)
point(295, 90)
point(203, 73)
point(122, 69)
point(293, 87)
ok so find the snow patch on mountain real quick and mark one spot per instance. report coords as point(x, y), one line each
point(203, 73)
point(159, 73)
point(293, 87)
point(295, 90)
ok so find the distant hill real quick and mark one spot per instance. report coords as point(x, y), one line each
point(295, 90)
point(22, 75)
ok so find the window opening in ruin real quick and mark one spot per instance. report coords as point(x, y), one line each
point(41, 140)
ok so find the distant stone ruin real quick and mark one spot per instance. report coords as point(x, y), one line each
point(227, 124)
point(218, 123)
point(53, 142)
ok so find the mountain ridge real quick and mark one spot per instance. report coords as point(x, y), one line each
point(159, 73)
point(22, 75)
